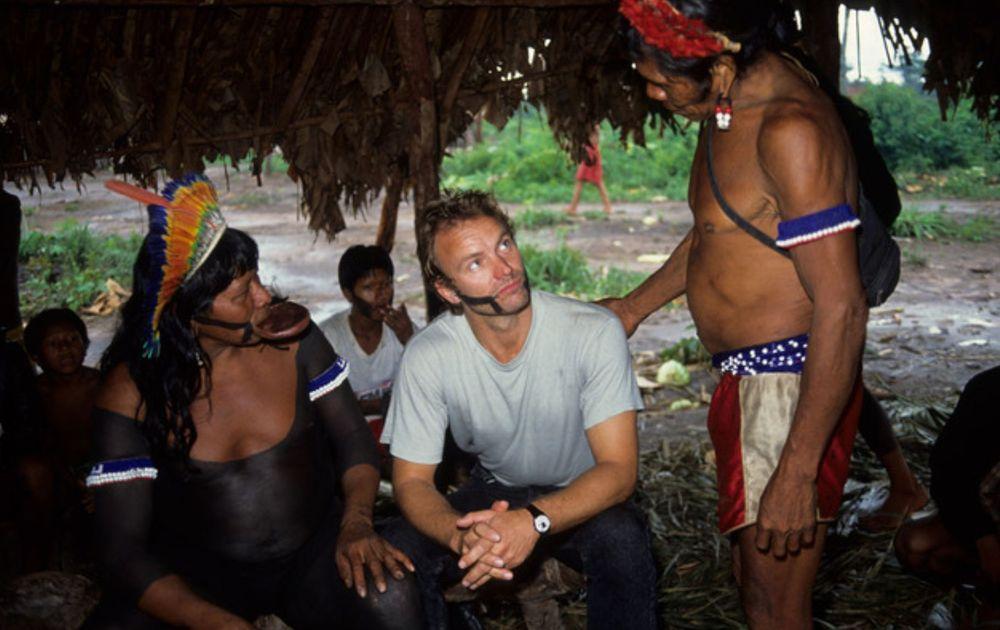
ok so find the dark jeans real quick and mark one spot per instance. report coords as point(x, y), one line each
point(612, 550)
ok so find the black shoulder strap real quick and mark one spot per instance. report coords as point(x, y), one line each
point(743, 224)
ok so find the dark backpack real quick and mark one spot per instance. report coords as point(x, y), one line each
point(878, 207)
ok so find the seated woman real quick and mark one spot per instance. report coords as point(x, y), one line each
point(219, 451)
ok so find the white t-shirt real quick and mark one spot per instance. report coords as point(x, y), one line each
point(371, 374)
point(525, 420)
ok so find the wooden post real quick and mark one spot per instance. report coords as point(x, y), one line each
point(386, 236)
point(424, 153)
point(472, 38)
point(822, 36)
point(175, 82)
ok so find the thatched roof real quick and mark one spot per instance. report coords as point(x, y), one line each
point(342, 88)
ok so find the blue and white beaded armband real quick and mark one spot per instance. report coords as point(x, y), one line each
point(121, 470)
point(812, 227)
point(329, 379)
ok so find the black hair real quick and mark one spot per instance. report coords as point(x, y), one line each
point(169, 382)
point(757, 25)
point(359, 261)
point(34, 332)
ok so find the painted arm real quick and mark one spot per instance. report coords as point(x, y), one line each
point(665, 284)
point(807, 174)
point(124, 515)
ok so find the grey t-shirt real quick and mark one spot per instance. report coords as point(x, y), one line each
point(525, 420)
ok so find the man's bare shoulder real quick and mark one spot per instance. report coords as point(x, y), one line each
point(118, 392)
point(792, 130)
point(805, 156)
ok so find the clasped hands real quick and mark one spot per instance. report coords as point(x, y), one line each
point(492, 543)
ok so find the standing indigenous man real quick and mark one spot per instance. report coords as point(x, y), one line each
point(540, 389)
point(782, 427)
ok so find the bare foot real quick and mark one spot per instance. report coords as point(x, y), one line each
point(897, 507)
point(608, 211)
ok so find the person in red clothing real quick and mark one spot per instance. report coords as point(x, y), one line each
point(590, 170)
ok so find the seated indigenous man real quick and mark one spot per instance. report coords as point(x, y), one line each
point(961, 542)
point(222, 431)
point(773, 151)
point(540, 389)
point(371, 334)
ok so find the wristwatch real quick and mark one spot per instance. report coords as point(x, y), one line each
point(539, 519)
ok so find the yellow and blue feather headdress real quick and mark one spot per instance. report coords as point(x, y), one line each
point(185, 225)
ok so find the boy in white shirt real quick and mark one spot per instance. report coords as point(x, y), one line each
point(371, 334)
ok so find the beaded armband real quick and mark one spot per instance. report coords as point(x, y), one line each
point(121, 470)
point(812, 227)
point(329, 379)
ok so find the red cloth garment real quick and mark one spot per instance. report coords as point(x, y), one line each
point(748, 421)
point(590, 170)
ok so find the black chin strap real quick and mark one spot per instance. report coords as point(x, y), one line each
point(486, 300)
point(246, 327)
point(480, 301)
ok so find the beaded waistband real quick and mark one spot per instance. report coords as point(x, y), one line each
point(785, 355)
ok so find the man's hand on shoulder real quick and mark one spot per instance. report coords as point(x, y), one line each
point(622, 308)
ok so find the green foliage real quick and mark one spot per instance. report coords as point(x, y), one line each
point(937, 225)
point(533, 219)
point(594, 215)
point(686, 351)
point(523, 164)
point(912, 137)
point(69, 267)
point(564, 270)
point(971, 182)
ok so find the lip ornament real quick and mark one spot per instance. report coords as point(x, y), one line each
point(283, 321)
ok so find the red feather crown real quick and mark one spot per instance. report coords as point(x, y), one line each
point(665, 28)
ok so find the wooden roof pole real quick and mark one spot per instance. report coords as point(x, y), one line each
point(386, 235)
point(469, 44)
point(821, 35)
point(175, 83)
point(424, 154)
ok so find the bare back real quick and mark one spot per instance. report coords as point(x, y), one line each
point(741, 292)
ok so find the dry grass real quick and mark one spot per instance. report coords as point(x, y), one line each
point(860, 584)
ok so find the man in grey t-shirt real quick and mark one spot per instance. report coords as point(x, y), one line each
point(540, 389)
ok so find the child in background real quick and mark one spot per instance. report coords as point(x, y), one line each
point(371, 333)
point(56, 340)
point(590, 170)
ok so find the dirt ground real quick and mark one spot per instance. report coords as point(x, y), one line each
point(940, 327)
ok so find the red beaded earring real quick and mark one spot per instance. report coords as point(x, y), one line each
point(723, 112)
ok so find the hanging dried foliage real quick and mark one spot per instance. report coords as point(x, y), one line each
point(159, 88)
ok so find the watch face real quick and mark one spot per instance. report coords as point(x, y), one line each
point(542, 523)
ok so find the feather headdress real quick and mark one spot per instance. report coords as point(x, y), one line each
point(185, 225)
point(662, 26)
